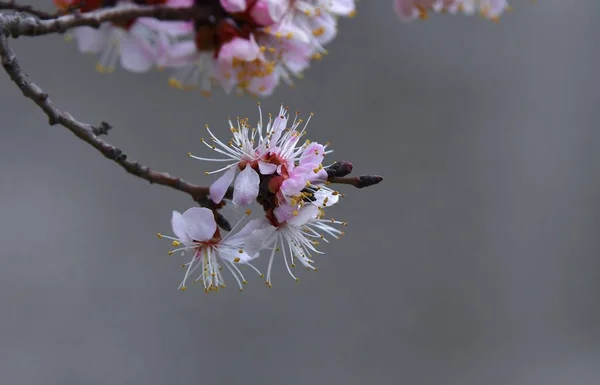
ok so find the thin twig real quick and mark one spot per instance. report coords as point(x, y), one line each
point(13, 6)
point(19, 25)
point(361, 181)
point(84, 131)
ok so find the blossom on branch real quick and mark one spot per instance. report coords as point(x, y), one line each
point(247, 46)
point(412, 9)
point(268, 164)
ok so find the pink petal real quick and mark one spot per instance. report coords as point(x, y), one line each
point(313, 155)
point(234, 6)
point(219, 187)
point(293, 185)
point(199, 223)
point(284, 212)
point(245, 189)
point(241, 49)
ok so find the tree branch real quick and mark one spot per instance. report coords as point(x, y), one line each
point(11, 5)
point(19, 25)
point(86, 132)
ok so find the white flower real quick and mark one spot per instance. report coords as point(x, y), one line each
point(196, 230)
point(296, 238)
point(318, 18)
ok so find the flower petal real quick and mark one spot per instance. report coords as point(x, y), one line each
point(237, 240)
point(219, 187)
point(305, 214)
point(178, 226)
point(259, 239)
point(180, 54)
point(135, 54)
point(199, 223)
point(91, 40)
point(245, 189)
point(313, 155)
point(266, 168)
point(234, 6)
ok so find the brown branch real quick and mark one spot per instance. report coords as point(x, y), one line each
point(13, 6)
point(19, 25)
point(84, 131)
point(357, 181)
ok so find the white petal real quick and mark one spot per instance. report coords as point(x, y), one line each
point(321, 195)
point(199, 223)
point(219, 187)
point(304, 215)
point(259, 239)
point(245, 189)
point(178, 226)
point(90, 39)
point(266, 168)
point(238, 238)
point(341, 7)
point(231, 255)
point(135, 54)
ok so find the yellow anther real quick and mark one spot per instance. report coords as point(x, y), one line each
point(295, 212)
point(240, 251)
point(159, 235)
point(353, 13)
point(206, 93)
point(175, 243)
point(297, 280)
point(244, 282)
point(183, 288)
point(248, 212)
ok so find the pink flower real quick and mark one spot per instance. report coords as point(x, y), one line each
point(243, 65)
point(244, 152)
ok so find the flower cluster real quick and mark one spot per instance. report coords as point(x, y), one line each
point(412, 9)
point(271, 165)
point(246, 45)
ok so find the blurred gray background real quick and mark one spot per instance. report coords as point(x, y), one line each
point(475, 262)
